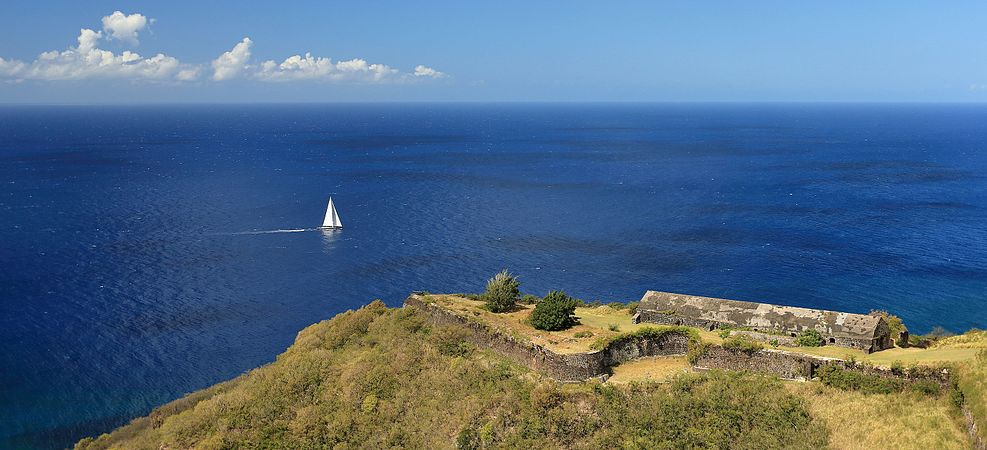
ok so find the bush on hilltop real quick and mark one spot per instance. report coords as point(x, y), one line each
point(554, 312)
point(502, 292)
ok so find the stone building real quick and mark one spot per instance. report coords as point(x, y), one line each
point(860, 331)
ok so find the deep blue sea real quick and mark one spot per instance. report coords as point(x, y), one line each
point(126, 278)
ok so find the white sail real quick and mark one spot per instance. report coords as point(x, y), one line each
point(332, 218)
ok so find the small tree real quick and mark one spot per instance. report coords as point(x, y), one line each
point(810, 338)
point(895, 325)
point(554, 312)
point(502, 292)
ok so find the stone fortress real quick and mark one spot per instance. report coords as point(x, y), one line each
point(767, 322)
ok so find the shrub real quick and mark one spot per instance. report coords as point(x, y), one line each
point(810, 338)
point(849, 380)
point(452, 341)
point(554, 312)
point(613, 327)
point(632, 307)
point(742, 343)
point(926, 387)
point(529, 299)
point(895, 325)
point(774, 342)
point(584, 334)
point(502, 292)
point(724, 334)
point(617, 305)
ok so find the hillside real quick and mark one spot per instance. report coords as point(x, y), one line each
point(383, 378)
point(379, 378)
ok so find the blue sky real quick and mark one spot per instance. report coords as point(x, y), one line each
point(494, 51)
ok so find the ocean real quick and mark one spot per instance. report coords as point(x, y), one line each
point(136, 263)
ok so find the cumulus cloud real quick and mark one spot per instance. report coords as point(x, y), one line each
point(87, 61)
point(123, 27)
point(428, 72)
point(231, 63)
point(307, 67)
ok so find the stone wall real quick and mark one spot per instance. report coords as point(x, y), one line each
point(660, 317)
point(563, 367)
point(583, 366)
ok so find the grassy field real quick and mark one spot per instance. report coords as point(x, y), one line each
point(661, 368)
point(594, 323)
point(902, 420)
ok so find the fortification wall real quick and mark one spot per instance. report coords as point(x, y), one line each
point(583, 366)
point(563, 367)
point(659, 317)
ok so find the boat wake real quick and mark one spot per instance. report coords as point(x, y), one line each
point(293, 230)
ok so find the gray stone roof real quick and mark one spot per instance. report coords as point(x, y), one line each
point(762, 315)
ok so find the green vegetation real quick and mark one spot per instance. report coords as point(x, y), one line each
point(972, 389)
point(502, 292)
point(613, 327)
point(849, 380)
point(742, 343)
point(382, 378)
point(810, 338)
point(895, 325)
point(529, 299)
point(554, 312)
point(901, 420)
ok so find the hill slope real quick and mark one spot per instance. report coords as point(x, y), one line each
point(379, 377)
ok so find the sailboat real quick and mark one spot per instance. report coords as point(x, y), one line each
point(332, 218)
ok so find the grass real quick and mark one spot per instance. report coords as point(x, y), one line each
point(603, 323)
point(660, 368)
point(383, 378)
point(973, 385)
point(596, 324)
point(899, 420)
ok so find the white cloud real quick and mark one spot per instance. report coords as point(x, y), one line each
point(88, 61)
point(123, 27)
point(10, 69)
point(189, 74)
point(308, 67)
point(231, 63)
point(428, 72)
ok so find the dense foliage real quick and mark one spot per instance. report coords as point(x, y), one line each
point(810, 338)
point(502, 292)
point(742, 343)
point(382, 378)
point(554, 312)
point(895, 325)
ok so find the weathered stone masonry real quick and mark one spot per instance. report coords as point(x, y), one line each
point(583, 366)
point(869, 333)
point(563, 367)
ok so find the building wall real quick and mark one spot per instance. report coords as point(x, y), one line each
point(882, 341)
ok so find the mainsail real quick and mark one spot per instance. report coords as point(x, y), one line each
point(332, 219)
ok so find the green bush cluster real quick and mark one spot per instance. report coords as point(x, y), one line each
point(554, 312)
point(810, 338)
point(742, 343)
point(852, 380)
point(895, 324)
point(529, 299)
point(378, 378)
point(502, 293)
